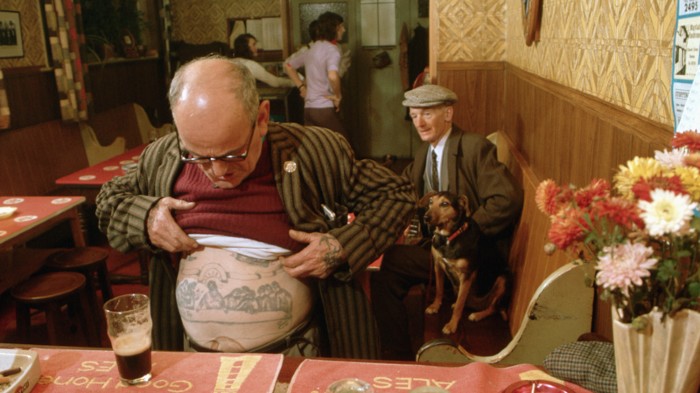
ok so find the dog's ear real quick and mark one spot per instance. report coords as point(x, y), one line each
point(464, 203)
point(423, 202)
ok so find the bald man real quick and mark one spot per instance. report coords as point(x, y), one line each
point(241, 216)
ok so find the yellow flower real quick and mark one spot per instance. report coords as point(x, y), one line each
point(690, 178)
point(636, 169)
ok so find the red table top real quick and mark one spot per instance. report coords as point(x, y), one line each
point(32, 211)
point(103, 172)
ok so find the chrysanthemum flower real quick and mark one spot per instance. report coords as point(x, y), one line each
point(550, 198)
point(693, 159)
point(667, 213)
point(689, 139)
point(567, 227)
point(642, 189)
point(598, 188)
point(622, 212)
point(690, 178)
point(624, 265)
point(636, 169)
point(670, 159)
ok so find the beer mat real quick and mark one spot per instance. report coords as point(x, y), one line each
point(75, 370)
point(314, 376)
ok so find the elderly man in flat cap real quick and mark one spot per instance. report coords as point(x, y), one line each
point(453, 160)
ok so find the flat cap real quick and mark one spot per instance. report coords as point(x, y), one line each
point(429, 95)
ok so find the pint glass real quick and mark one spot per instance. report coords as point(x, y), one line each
point(129, 328)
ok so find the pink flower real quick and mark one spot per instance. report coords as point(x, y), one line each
point(624, 265)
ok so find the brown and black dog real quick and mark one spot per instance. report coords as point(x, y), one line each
point(447, 215)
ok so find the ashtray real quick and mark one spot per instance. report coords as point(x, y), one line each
point(537, 386)
point(7, 211)
point(26, 362)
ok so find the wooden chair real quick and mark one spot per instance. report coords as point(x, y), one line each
point(148, 132)
point(560, 311)
point(95, 151)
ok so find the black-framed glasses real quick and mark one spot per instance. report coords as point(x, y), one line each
point(188, 158)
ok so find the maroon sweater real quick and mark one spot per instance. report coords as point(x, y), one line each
point(253, 210)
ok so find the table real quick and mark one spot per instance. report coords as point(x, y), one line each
point(37, 214)
point(90, 369)
point(95, 176)
point(88, 181)
point(34, 216)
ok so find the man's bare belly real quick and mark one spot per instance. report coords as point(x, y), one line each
point(232, 303)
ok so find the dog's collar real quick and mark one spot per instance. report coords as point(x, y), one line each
point(458, 232)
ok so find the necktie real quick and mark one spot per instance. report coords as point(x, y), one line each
point(435, 178)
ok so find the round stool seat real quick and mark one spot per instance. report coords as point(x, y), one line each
point(48, 292)
point(78, 258)
point(48, 287)
point(90, 261)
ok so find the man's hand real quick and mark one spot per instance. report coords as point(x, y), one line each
point(319, 259)
point(164, 232)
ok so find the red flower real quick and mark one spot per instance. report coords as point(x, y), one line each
point(618, 211)
point(598, 188)
point(689, 139)
point(642, 189)
point(567, 228)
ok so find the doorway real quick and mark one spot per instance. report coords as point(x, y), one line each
point(371, 109)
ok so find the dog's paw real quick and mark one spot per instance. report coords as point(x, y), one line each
point(433, 309)
point(474, 317)
point(449, 328)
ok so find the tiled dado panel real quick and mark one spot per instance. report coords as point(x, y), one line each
point(616, 50)
point(201, 22)
point(32, 34)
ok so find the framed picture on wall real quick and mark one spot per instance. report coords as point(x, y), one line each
point(11, 44)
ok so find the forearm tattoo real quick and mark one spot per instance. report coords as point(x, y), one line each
point(334, 255)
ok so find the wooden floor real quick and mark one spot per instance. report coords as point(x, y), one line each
point(486, 337)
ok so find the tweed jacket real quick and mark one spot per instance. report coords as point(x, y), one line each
point(312, 166)
point(474, 170)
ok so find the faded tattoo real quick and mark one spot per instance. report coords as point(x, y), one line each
point(334, 255)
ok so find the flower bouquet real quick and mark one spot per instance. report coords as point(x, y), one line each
point(642, 234)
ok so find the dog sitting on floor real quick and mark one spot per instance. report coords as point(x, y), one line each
point(455, 256)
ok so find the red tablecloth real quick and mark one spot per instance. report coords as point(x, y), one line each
point(316, 375)
point(66, 370)
point(32, 211)
point(103, 172)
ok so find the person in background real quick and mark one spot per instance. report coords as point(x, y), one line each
point(465, 163)
point(247, 223)
point(321, 89)
point(245, 48)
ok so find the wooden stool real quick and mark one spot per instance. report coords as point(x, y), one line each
point(91, 262)
point(48, 292)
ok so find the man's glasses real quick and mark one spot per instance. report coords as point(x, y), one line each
point(187, 157)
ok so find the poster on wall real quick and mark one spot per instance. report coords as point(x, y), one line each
point(11, 44)
point(686, 47)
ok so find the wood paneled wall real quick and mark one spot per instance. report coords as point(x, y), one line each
point(479, 88)
point(559, 133)
point(39, 148)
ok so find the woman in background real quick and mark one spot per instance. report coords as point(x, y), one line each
point(245, 49)
point(321, 62)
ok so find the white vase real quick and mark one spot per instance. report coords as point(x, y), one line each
point(664, 357)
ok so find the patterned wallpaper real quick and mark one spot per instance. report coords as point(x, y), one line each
point(201, 22)
point(32, 33)
point(618, 51)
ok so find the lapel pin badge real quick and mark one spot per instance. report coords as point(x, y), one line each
point(290, 166)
